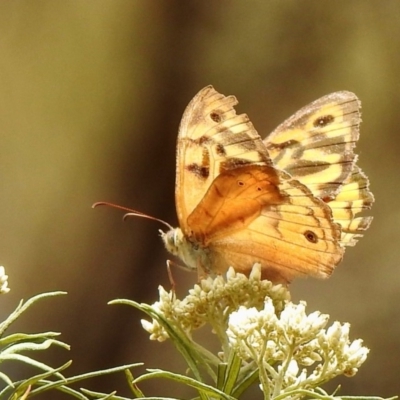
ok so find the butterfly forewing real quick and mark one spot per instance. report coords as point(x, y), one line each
point(212, 139)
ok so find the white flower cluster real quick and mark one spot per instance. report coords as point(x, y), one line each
point(213, 300)
point(257, 321)
point(281, 343)
point(3, 281)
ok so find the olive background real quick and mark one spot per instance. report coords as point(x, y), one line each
point(91, 96)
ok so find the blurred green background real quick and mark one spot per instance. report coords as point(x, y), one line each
point(91, 96)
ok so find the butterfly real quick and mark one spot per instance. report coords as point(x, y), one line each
point(288, 202)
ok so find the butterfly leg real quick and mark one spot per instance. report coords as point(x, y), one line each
point(170, 277)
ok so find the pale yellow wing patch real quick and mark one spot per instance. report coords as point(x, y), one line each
point(316, 146)
point(353, 198)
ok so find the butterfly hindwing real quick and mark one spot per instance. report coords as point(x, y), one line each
point(354, 197)
point(316, 146)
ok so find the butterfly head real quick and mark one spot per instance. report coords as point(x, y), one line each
point(172, 240)
point(178, 245)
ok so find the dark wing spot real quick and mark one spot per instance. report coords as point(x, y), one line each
point(202, 140)
point(232, 163)
point(282, 146)
point(265, 158)
point(200, 171)
point(311, 236)
point(220, 150)
point(216, 116)
point(240, 183)
point(205, 161)
point(247, 143)
point(323, 121)
point(306, 167)
point(328, 198)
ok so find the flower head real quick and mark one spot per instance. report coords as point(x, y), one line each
point(213, 300)
point(292, 339)
point(3, 281)
point(256, 321)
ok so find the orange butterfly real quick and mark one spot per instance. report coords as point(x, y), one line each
point(288, 202)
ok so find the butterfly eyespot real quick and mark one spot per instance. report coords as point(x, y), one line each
point(215, 117)
point(327, 199)
point(323, 121)
point(311, 236)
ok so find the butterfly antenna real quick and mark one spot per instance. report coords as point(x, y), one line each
point(131, 212)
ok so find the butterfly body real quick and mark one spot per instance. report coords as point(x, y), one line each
point(288, 202)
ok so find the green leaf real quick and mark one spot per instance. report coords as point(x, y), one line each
point(103, 396)
point(201, 387)
point(221, 373)
point(184, 345)
point(77, 378)
point(23, 337)
point(366, 398)
point(23, 307)
point(6, 379)
point(247, 381)
point(21, 386)
point(135, 390)
point(30, 361)
point(30, 346)
point(232, 372)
